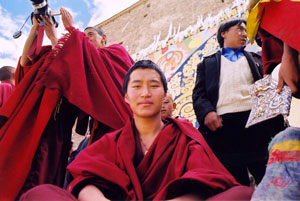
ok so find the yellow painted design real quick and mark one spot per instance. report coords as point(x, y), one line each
point(195, 43)
point(182, 83)
point(288, 145)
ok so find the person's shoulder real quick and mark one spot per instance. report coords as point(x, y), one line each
point(116, 47)
point(210, 57)
point(182, 123)
point(6, 85)
point(211, 54)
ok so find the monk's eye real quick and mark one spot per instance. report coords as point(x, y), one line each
point(136, 86)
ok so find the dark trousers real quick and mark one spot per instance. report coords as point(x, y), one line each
point(239, 148)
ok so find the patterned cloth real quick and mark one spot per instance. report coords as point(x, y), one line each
point(282, 178)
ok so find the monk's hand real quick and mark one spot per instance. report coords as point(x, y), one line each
point(35, 26)
point(66, 18)
point(50, 30)
point(213, 121)
point(289, 72)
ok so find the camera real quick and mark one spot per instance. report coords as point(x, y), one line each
point(41, 7)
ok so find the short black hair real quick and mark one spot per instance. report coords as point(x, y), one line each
point(6, 73)
point(99, 30)
point(144, 64)
point(225, 26)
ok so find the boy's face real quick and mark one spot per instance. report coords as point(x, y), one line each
point(145, 93)
point(235, 37)
point(168, 107)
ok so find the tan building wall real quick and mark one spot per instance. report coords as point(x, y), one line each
point(136, 26)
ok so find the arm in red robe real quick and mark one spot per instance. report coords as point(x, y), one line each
point(89, 78)
point(278, 26)
point(178, 157)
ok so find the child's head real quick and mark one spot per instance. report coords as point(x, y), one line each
point(168, 106)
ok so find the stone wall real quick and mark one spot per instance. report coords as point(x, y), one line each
point(136, 26)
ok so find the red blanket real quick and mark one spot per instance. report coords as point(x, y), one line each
point(179, 157)
point(89, 78)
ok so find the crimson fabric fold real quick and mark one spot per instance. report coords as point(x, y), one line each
point(87, 77)
point(6, 88)
point(179, 157)
point(280, 20)
point(278, 24)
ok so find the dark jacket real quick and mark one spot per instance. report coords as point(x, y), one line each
point(206, 91)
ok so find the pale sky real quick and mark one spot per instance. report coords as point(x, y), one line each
point(13, 14)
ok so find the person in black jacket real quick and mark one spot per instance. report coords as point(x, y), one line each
point(222, 104)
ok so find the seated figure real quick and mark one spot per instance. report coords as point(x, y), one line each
point(168, 106)
point(149, 158)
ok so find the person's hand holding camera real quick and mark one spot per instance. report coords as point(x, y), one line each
point(50, 30)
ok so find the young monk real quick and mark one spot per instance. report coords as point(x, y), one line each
point(149, 158)
point(168, 106)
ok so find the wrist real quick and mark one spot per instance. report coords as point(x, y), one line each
point(53, 41)
point(70, 28)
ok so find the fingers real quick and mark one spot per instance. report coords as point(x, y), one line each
point(64, 12)
point(66, 17)
point(47, 20)
point(280, 85)
point(213, 121)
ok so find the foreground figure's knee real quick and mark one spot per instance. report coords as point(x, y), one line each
point(235, 193)
point(47, 192)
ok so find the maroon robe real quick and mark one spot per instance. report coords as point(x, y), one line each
point(6, 88)
point(34, 120)
point(279, 24)
point(179, 158)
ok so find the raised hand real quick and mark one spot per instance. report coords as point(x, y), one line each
point(66, 18)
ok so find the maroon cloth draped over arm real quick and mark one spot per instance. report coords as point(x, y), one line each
point(25, 115)
point(179, 155)
point(279, 24)
point(89, 78)
point(281, 20)
point(92, 79)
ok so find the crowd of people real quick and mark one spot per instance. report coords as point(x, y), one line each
point(136, 149)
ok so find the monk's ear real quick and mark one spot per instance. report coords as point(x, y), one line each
point(174, 105)
point(103, 40)
point(223, 34)
point(126, 98)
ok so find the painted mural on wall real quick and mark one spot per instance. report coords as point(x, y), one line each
point(180, 52)
point(179, 63)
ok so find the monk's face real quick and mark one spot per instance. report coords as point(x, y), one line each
point(168, 107)
point(95, 38)
point(235, 37)
point(145, 93)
